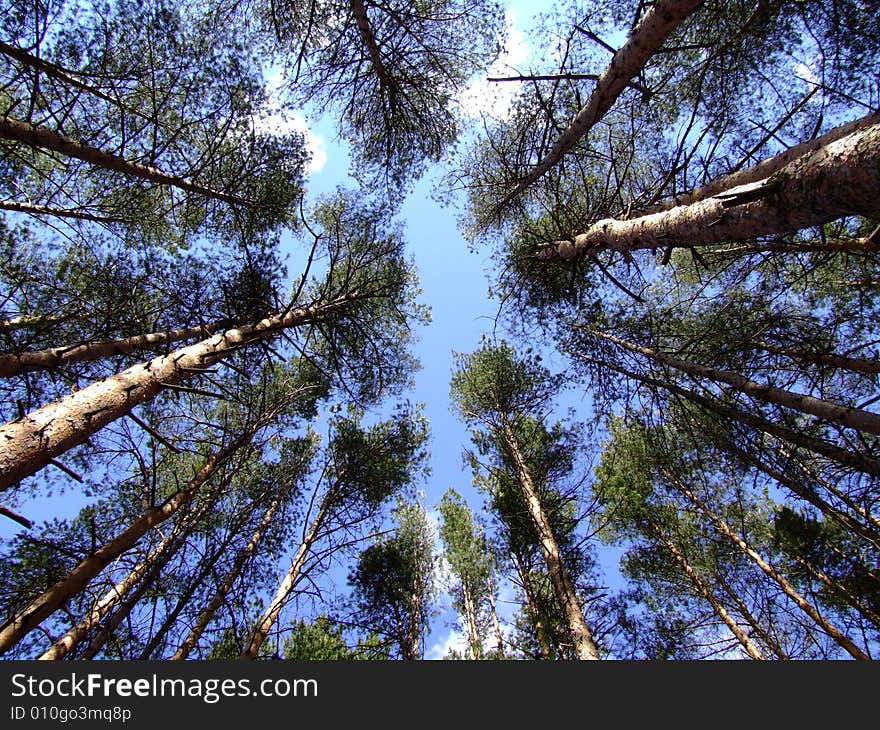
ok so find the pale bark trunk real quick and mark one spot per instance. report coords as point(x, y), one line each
point(42, 138)
point(474, 642)
point(838, 180)
point(51, 600)
point(105, 604)
point(231, 577)
point(836, 453)
point(30, 443)
point(43, 210)
point(661, 20)
point(744, 611)
point(584, 646)
point(761, 170)
point(703, 590)
point(288, 582)
point(789, 590)
point(848, 416)
point(835, 587)
point(31, 321)
point(12, 364)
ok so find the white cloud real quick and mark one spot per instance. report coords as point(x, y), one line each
point(496, 99)
point(280, 121)
point(453, 640)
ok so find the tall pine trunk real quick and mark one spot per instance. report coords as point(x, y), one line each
point(582, 638)
point(28, 444)
point(838, 180)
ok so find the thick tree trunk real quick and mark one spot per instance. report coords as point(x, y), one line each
point(763, 169)
point(386, 81)
point(656, 26)
point(38, 137)
point(28, 444)
point(836, 453)
point(288, 582)
point(838, 180)
point(51, 600)
point(705, 592)
point(584, 646)
point(856, 418)
point(12, 364)
point(229, 580)
point(789, 590)
point(157, 556)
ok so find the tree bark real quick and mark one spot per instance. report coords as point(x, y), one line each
point(43, 210)
point(848, 416)
point(30, 443)
point(39, 137)
point(496, 624)
point(802, 603)
point(831, 359)
point(838, 180)
point(12, 364)
point(585, 647)
point(219, 597)
point(16, 627)
point(540, 629)
point(386, 81)
point(474, 642)
point(661, 20)
point(705, 592)
point(288, 582)
point(761, 170)
point(836, 453)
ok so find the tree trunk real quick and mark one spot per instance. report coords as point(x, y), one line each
point(51, 600)
point(43, 210)
point(835, 587)
point(219, 597)
point(850, 417)
point(838, 180)
point(42, 138)
point(744, 611)
point(12, 364)
point(831, 359)
point(836, 453)
point(704, 591)
point(158, 556)
point(661, 20)
point(585, 647)
point(386, 81)
point(288, 582)
point(474, 642)
point(30, 443)
point(763, 169)
point(802, 603)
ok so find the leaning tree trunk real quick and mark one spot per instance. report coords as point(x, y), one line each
point(289, 581)
point(230, 579)
point(28, 444)
point(387, 82)
point(584, 646)
point(705, 592)
point(856, 418)
point(838, 180)
point(661, 20)
point(158, 556)
point(16, 363)
point(842, 456)
point(44, 210)
point(787, 588)
point(16, 627)
point(761, 170)
point(862, 365)
point(42, 138)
